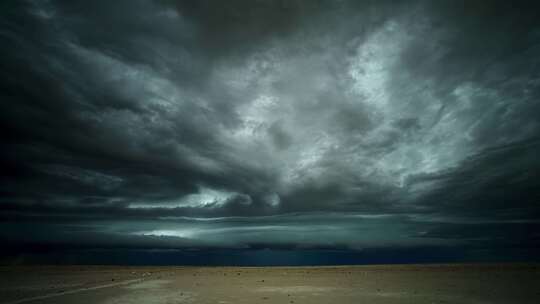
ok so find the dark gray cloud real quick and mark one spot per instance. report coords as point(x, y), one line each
point(239, 124)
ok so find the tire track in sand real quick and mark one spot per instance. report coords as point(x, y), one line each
point(73, 291)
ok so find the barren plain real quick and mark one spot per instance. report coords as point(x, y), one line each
point(463, 283)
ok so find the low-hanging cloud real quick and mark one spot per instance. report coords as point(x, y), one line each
point(418, 116)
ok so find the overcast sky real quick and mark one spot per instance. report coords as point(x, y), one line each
point(347, 125)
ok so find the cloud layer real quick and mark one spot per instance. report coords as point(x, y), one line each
point(237, 124)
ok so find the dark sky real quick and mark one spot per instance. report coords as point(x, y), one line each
point(203, 130)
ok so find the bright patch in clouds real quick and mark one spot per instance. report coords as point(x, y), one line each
point(206, 197)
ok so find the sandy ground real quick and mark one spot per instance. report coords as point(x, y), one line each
point(346, 284)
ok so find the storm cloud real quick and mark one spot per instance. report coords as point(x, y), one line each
point(270, 124)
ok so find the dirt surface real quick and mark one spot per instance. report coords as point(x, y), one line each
point(345, 284)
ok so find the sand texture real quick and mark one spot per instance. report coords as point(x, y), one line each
point(478, 284)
